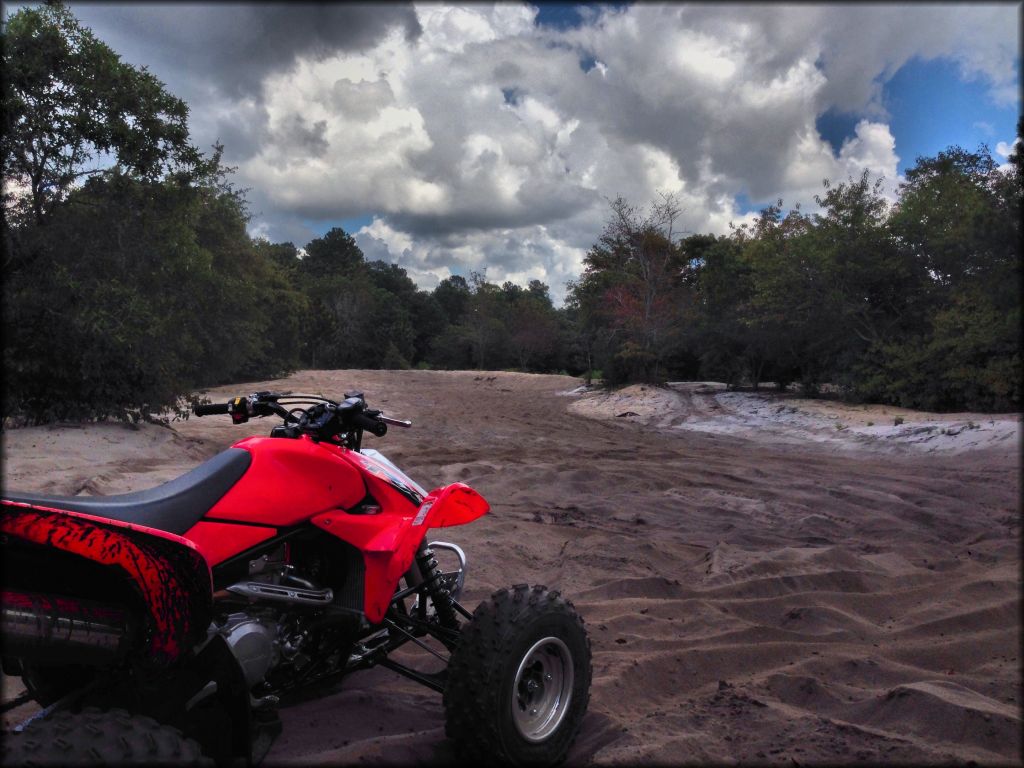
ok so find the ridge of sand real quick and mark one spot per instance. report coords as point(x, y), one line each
point(745, 603)
point(783, 419)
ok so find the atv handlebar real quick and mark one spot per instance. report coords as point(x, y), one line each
point(371, 424)
point(324, 419)
point(211, 409)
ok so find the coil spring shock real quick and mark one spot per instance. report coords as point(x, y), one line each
point(438, 592)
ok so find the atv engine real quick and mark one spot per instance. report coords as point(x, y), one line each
point(286, 629)
point(254, 641)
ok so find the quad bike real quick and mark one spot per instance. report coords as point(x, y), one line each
point(170, 625)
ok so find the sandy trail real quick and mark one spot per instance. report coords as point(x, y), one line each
point(752, 593)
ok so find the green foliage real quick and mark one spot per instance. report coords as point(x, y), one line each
point(393, 359)
point(916, 303)
point(957, 226)
point(632, 299)
point(333, 255)
point(128, 285)
point(71, 105)
point(161, 292)
point(483, 325)
point(361, 314)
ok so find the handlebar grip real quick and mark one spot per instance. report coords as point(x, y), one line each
point(211, 409)
point(370, 424)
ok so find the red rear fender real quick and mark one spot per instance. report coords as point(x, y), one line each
point(167, 572)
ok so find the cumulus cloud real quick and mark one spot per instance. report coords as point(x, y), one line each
point(217, 56)
point(518, 255)
point(233, 46)
point(476, 138)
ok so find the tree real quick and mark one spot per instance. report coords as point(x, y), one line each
point(485, 324)
point(633, 283)
point(150, 289)
point(453, 295)
point(946, 218)
point(71, 106)
point(723, 282)
point(874, 283)
point(284, 256)
point(334, 254)
point(129, 278)
point(533, 326)
point(958, 223)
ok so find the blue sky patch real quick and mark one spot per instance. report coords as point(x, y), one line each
point(932, 108)
point(558, 15)
point(836, 127)
point(562, 16)
point(744, 206)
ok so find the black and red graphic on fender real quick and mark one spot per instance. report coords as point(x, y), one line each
point(170, 575)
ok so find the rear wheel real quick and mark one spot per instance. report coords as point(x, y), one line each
point(95, 737)
point(519, 679)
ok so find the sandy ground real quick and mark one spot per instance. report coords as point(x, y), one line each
point(759, 585)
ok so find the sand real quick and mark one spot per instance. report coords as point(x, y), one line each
point(759, 585)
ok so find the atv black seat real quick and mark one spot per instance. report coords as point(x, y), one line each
point(173, 507)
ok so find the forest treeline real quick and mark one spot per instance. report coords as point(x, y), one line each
point(130, 280)
point(915, 303)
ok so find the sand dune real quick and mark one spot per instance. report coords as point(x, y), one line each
point(759, 585)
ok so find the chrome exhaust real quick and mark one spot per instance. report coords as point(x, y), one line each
point(63, 629)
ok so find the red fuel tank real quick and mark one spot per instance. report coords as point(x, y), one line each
point(288, 482)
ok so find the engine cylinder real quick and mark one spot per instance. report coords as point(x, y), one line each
point(253, 643)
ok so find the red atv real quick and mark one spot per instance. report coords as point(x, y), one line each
point(169, 625)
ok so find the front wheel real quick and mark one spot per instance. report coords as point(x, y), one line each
point(519, 679)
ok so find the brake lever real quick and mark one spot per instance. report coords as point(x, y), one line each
point(395, 422)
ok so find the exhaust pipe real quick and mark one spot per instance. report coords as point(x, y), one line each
point(59, 629)
point(280, 593)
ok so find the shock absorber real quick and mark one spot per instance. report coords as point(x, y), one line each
point(437, 590)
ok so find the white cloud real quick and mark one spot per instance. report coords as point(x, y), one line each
point(872, 149)
point(451, 28)
point(499, 253)
point(476, 139)
point(1004, 150)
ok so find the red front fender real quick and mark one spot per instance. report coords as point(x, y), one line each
point(453, 504)
point(389, 541)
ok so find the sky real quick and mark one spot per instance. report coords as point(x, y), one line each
point(452, 139)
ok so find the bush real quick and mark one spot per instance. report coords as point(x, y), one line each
point(149, 290)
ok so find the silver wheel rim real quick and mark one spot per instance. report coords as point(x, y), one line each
point(542, 689)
